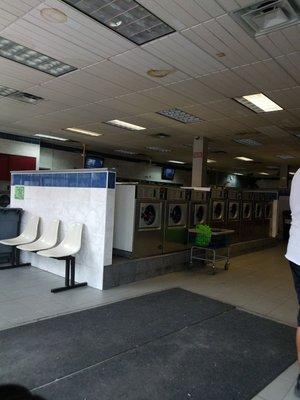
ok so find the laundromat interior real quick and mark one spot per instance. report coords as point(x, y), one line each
point(149, 156)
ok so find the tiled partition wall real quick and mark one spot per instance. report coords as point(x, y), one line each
point(85, 196)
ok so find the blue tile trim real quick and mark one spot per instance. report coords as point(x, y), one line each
point(111, 180)
point(66, 179)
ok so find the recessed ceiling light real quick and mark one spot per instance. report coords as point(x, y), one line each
point(6, 91)
point(244, 158)
point(210, 161)
point(258, 103)
point(128, 152)
point(160, 73)
point(126, 17)
point(264, 173)
point(83, 131)
point(125, 125)
point(248, 142)
point(51, 137)
point(285, 156)
point(53, 15)
point(238, 173)
point(176, 162)
point(292, 173)
point(158, 149)
point(24, 55)
point(181, 116)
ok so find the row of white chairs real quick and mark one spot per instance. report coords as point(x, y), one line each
point(46, 246)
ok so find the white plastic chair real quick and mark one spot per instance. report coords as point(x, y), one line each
point(66, 250)
point(28, 235)
point(46, 241)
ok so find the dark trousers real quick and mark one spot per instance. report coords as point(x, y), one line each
point(296, 276)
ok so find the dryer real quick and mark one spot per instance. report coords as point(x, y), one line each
point(259, 215)
point(218, 208)
point(247, 219)
point(138, 228)
point(234, 213)
point(176, 220)
point(199, 208)
point(270, 198)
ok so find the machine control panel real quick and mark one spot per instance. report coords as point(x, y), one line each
point(218, 193)
point(234, 194)
point(150, 192)
point(177, 194)
point(199, 196)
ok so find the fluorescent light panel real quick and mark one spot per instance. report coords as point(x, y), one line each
point(285, 156)
point(210, 161)
point(126, 17)
point(176, 162)
point(33, 59)
point(180, 115)
point(248, 142)
point(125, 125)
point(264, 173)
point(128, 152)
point(244, 158)
point(158, 149)
point(83, 131)
point(51, 137)
point(15, 94)
point(258, 103)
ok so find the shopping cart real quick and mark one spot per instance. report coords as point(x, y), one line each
point(208, 251)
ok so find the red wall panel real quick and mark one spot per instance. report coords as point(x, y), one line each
point(14, 163)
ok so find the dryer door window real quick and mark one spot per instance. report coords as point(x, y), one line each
point(149, 215)
point(247, 211)
point(218, 210)
point(177, 214)
point(200, 212)
point(233, 211)
point(268, 210)
point(258, 211)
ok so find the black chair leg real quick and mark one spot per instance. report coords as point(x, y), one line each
point(15, 260)
point(69, 277)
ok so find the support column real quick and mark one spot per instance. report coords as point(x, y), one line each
point(199, 162)
point(283, 181)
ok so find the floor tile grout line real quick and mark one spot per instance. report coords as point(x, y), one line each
point(133, 348)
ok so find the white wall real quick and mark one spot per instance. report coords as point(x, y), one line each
point(16, 148)
point(57, 159)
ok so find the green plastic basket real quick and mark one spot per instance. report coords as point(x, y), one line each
point(203, 235)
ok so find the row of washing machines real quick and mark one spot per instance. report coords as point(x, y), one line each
point(152, 219)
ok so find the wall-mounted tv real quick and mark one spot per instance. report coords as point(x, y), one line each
point(167, 174)
point(93, 162)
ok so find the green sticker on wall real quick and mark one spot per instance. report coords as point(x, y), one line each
point(19, 192)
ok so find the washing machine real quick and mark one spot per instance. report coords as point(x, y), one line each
point(218, 208)
point(199, 208)
point(234, 213)
point(176, 220)
point(139, 228)
point(247, 218)
point(259, 215)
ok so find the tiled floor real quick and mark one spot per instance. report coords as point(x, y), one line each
point(258, 282)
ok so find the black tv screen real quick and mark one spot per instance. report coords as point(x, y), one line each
point(168, 173)
point(93, 162)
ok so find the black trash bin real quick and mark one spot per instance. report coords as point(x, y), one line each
point(10, 219)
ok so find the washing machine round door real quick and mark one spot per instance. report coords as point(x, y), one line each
point(148, 215)
point(218, 210)
point(200, 214)
point(176, 214)
point(247, 211)
point(258, 211)
point(233, 211)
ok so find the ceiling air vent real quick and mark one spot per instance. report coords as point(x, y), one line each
point(266, 16)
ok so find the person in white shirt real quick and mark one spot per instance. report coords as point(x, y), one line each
point(293, 253)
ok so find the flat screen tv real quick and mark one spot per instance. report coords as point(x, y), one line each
point(93, 162)
point(167, 174)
